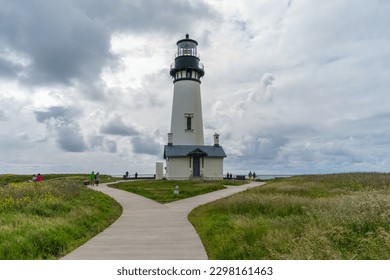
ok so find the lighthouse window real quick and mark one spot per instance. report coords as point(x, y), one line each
point(188, 121)
point(188, 74)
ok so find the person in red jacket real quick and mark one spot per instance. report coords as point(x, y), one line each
point(39, 177)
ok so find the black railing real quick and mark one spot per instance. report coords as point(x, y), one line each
point(136, 176)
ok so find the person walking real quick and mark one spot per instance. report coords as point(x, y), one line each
point(97, 178)
point(250, 175)
point(92, 178)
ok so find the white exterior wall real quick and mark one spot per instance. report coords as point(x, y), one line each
point(187, 100)
point(213, 168)
point(180, 169)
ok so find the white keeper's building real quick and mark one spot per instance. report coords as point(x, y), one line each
point(186, 155)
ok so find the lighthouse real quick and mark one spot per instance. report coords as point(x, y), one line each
point(186, 155)
point(186, 71)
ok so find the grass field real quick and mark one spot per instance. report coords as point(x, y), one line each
point(50, 219)
point(163, 191)
point(341, 216)
point(13, 178)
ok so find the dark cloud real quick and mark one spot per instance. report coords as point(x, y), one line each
point(55, 112)
point(9, 68)
point(146, 145)
point(95, 141)
point(63, 122)
point(70, 139)
point(326, 111)
point(116, 126)
point(68, 42)
point(153, 15)
point(62, 43)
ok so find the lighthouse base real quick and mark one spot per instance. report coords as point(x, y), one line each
point(191, 162)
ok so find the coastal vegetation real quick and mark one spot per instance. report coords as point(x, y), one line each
point(50, 219)
point(15, 178)
point(338, 216)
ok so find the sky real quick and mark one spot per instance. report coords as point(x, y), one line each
point(291, 86)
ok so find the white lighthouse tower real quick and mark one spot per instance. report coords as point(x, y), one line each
point(186, 71)
point(186, 155)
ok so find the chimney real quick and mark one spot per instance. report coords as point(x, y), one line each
point(216, 140)
point(170, 139)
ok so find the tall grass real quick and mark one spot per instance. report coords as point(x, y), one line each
point(48, 220)
point(339, 216)
point(14, 178)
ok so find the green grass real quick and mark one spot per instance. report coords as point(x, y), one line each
point(14, 178)
point(338, 216)
point(50, 219)
point(162, 190)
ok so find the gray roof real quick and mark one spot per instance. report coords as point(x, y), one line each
point(188, 150)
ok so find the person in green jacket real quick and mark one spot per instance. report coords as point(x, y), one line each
point(92, 178)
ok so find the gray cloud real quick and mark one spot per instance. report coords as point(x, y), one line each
point(9, 68)
point(62, 43)
point(69, 41)
point(2, 116)
point(111, 146)
point(324, 108)
point(55, 112)
point(70, 139)
point(62, 121)
point(146, 145)
point(104, 143)
point(146, 16)
point(264, 91)
point(116, 126)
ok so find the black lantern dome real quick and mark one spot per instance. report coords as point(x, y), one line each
point(187, 65)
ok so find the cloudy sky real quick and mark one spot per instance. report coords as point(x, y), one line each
point(291, 86)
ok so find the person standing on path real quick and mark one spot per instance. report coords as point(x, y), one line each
point(97, 178)
point(92, 178)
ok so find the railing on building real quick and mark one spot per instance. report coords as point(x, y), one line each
point(200, 65)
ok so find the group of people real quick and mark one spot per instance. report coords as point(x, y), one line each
point(126, 176)
point(37, 178)
point(94, 179)
point(250, 175)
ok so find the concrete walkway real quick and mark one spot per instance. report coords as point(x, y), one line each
point(148, 230)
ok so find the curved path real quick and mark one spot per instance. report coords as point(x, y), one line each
point(148, 230)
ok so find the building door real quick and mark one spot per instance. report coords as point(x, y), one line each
point(196, 167)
